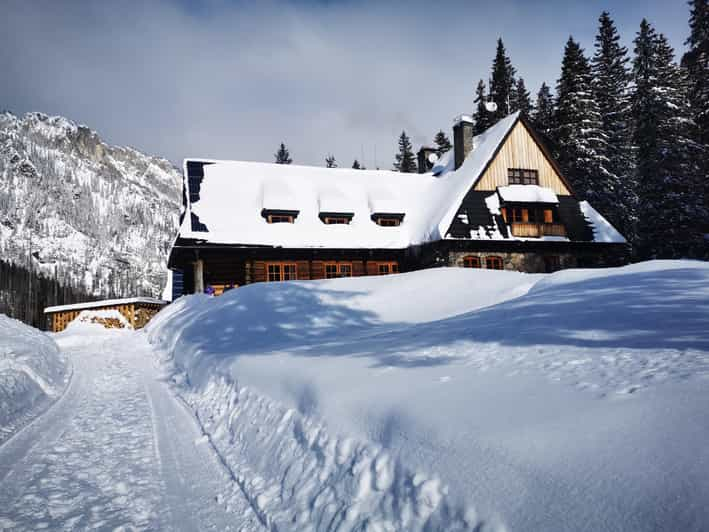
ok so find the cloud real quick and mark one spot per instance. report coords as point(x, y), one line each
point(233, 79)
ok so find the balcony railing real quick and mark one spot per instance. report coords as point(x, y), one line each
point(536, 230)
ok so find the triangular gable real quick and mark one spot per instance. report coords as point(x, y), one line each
point(522, 148)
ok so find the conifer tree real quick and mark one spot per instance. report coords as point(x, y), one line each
point(667, 156)
point(577, 135)
point(610, 89)
point(283, 155)
point(330, 161)
point(442, 142)
point(521, 101)
point(405, 159)
point(482, 118)
point(696, 61)
point(502, 84)
point(543, 115)
point(356, 165)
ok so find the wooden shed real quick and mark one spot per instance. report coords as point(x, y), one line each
point(137, 311)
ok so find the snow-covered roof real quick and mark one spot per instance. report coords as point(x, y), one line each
point(603, 231)
point(527, 194)
point(230, 198)
point(105, 303)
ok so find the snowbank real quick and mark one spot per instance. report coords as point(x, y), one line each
point(32, 371)
point(457, 398)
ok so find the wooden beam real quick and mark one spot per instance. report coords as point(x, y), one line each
point(198, 266)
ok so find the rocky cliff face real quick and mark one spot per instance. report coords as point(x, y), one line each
point(97, 216)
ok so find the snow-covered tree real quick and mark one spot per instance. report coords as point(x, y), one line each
point(577, 136)
point(670, 207)
point(330, 161)
point(356, 165)
point(611, 92)
point(502, 83)
point(520, 99)
point(482, 118)
point(405, 159)
point(283, 155)
point(543, 115)
point(443, 143)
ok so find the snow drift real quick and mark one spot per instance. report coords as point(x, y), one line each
point(457, 399)
point(32, 371)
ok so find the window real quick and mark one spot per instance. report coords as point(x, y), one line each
point(281, 271)
point(548, 216)
point(525, 215)
point(521, 176)
point(471, 262)
point(280, 219)
point(388, 222)
point(493, 263)
point(334, 270)
point(551, 263)
point(336, 220)
point(385, 268)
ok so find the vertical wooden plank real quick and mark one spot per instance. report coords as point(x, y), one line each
point(198, 267)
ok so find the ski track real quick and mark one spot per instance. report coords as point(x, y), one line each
point(117, 451)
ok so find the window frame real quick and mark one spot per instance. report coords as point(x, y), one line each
point(280, 219)
point(494, 259)
point(282, 274)
point(336, 220)
point(391, 266)
point(522, 176)
point(388, 222)
point(338, 265)
point(473, 260)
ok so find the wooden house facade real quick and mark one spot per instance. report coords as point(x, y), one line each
point(497, 200)
point(137, 312)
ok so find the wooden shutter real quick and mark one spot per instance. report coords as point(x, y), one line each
point(357, 268)
point(259, 271)
point(317, 269)
point(303, 269)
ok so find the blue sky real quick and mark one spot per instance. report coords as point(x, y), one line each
point(231, 79)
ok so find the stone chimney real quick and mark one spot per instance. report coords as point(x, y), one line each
point(462, 138)
point(425, 164)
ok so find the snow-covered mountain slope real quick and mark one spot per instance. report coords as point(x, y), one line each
point(32, 372)
point(456, 399)
point(100, 216)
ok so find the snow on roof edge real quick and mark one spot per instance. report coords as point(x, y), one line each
point(105, 303)
point(603, 230)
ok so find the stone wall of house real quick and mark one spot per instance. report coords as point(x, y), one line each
point(530, 262)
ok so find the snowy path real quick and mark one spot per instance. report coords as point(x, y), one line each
point(117, 450)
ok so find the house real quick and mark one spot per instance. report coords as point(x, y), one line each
point(136, 312)
point(497, 200)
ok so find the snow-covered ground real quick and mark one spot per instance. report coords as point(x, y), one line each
point(116, 451)
point(33, 372)
point(455, 399)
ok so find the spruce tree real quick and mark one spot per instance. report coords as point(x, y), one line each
point(405, 159)
point(521, 101)
point(696, 61)
point(356, 165)
point(330, 161)
point(543, 115)
point(283, 155)
point(442, 142)
point(482, 118)
point(502, 84)
point(667, 156)
point(611, 93)
point(577, 135)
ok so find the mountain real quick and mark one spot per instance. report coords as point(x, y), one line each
point(95, 216)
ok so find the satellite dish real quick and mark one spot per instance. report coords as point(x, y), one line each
point(432, 158)
point(491, 107)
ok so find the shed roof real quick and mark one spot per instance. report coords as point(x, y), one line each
point(104, 303)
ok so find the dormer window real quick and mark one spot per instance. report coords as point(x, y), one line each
point(521, 176)
point(278, 216)
point(336, 218)
point(388, 219)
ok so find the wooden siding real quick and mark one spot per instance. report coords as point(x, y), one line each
point(535, 230)
point(520, 151)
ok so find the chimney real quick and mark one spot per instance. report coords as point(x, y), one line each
point(462, 138)
point(424, 159)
